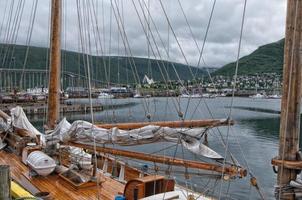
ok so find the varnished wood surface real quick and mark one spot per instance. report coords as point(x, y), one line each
point(55, 64)
point(230, 170)
point(57, 187)
point(289, 164)
point(171, 124)
point(291, 95)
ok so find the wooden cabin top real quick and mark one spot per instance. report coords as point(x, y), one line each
point(57, 187)
point(150, 178)
point(139, 188)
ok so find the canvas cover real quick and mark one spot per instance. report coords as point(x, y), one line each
point(3, 125)
point(83, 131)
point(19, 120)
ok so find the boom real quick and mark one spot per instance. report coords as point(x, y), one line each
point(233, 171)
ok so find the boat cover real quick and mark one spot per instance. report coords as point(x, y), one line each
point(3, 126)
point(19, 120)
point(85, 132)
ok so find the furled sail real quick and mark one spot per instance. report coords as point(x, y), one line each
point(20, 121)
point(197, 147)
point(3, 126)
point(5, 121)
point(83, 131)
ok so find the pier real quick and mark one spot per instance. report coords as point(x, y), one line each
point(11, 78)
point(40, 108)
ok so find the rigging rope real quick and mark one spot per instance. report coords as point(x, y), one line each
point(176, 39)
point(126, 43)
point(28, 39)
point(178, 102)
point(233, 91)
point(165, 49)
point(47, 59)
point(3, 19)
point(200, 50)
point(7, 29)
point(13, 33)
point(168, 82)
point(86, 40)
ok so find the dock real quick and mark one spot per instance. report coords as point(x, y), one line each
point(41, 107)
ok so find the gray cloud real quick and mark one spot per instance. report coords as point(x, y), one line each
point(264, 23)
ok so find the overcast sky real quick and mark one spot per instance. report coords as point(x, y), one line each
point(264, 23)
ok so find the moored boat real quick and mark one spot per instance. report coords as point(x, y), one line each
point(104, 95)
point(96, 171)
point(274, 96)
point(258, 96)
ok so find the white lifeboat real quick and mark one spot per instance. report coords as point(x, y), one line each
point(41, 163)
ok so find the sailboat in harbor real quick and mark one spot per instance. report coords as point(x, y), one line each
point(275, 94)
point(257, 94)
point(73, 161)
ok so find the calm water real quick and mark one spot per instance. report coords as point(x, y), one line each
point(253, 139)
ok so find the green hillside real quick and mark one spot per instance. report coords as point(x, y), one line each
point(266, 59)
point(75, 62)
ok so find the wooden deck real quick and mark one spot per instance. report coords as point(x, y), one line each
point(58, 188)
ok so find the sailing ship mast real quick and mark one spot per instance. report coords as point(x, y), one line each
point(55, 65)
point(288, 161)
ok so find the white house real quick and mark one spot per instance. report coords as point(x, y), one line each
point(147, 80)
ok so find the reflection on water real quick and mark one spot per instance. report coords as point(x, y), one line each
point(266, 128)
point(253, 139)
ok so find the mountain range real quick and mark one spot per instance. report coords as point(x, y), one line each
point(117, 69)
point(266, 59)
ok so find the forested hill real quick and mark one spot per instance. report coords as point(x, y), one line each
point(120, 69)
point(266, 59)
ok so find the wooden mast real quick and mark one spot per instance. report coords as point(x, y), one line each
point(291, 96)
point(55, 65)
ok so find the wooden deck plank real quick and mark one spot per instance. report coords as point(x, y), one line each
point(58, 188)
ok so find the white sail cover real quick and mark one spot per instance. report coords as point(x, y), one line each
point(19, 120)
point(3, 125)
point(83, 131)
